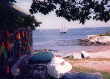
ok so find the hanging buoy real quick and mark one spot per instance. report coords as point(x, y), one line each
point(18, 37)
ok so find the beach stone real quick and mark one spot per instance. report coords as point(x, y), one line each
point(77, 56)
point(81, 75)
point(95, 40)
point(85, 54)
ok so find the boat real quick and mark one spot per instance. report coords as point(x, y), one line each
point(63, 30)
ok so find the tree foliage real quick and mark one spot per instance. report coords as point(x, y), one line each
point(10, 18)
point(81, 10)
point(71, 10)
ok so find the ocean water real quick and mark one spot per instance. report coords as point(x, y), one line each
point(54, 40)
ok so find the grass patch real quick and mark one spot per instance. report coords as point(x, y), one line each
point(83, 69)
point(105, 34)
point(105, 75)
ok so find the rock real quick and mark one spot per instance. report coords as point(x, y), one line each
point(81, 76)
point(95, 40)
point(58, 66)
point(77, 56)
point(84, 54)
point(81, 55)
point(104, 39)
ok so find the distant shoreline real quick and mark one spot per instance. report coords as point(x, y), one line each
point(65, 43)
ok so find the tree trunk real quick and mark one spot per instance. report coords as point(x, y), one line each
point(13, 44)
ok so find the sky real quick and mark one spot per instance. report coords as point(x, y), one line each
point(52, 22)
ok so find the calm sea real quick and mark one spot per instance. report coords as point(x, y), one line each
point(54, 40)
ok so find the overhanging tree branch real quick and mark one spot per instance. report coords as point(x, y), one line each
point(74, 9)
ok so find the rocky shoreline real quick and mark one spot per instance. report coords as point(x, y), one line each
point(95, 40)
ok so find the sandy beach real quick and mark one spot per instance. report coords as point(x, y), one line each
point(100, 59)
point(100, 52)
point(95, 65)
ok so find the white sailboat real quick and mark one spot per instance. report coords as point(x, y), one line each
point(63, 29)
